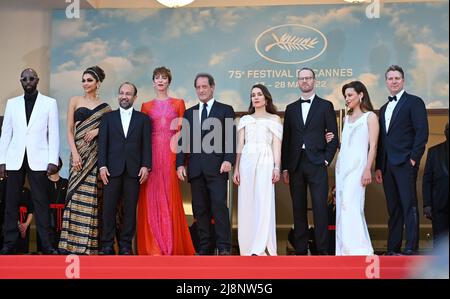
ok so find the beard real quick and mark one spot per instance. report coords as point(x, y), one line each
point(29, 89)
point(125, 104)
point(306, 89)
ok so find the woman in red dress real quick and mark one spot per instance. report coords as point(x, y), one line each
point(162, 226)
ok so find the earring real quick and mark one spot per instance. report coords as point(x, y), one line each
point(360, 100)
point(97, 92)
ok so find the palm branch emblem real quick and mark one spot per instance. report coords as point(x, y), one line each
point(291, 43)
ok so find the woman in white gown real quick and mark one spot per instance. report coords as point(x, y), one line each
point(353, 171)
point(256, 172)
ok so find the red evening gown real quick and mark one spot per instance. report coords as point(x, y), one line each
point(162, 227)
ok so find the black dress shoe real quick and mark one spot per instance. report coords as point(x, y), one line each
point(410, 252)
point(204, 252)
point(7, 251)
point(392, 253)
point(106, 251)
point(125, 252)
point(224, 252)
point(50, 251)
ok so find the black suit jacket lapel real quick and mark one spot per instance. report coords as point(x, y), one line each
point(312, 110)
point(133, 121)
point(118, 123)
point(383, 119)
point(299, 114)
point(399, 106)
point(194, 116)
point(443, 157)
point(214, 110)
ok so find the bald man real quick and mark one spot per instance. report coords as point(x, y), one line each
point(29, 146)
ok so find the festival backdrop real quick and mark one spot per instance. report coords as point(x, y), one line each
point(246, 45)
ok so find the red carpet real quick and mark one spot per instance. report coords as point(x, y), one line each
point(207, 267)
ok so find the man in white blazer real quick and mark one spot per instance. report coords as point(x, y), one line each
point(29, 145)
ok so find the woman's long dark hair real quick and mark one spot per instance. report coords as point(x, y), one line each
point(359, 87)
point(270, 107)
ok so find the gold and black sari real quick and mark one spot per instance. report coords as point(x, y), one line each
point(82, 214)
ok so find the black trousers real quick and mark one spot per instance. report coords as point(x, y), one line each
point(23, 244)
point(123, 188)
point(209, 200)
point(440, 225)
point(315, 177)
point(399, 182)
point(38, 188)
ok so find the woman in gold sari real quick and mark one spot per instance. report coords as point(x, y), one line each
point(80, 229)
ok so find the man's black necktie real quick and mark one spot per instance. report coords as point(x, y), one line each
point(305, 101)
point(204, 116)
point(394, 98)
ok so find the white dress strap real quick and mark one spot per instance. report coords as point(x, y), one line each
point(245, 120)
point(275, 127)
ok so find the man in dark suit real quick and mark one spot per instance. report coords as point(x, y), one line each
point(208, 141)
point(124, 160)
point(401, 144)
point(305, 156)
point(435, 188)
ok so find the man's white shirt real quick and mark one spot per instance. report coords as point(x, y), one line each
point(390, 109)
point(305, 111)
point(125, 117)
point(208, 109)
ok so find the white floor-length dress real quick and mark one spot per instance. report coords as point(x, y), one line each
point(256, 192)
point(352, 235)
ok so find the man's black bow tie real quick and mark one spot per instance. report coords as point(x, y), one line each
point(394, 98)
point(305, 101)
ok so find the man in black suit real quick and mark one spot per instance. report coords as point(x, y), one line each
point(208, 141)
point(124, 160)
point(305, 156)
point(435, 188)
point(401, 144)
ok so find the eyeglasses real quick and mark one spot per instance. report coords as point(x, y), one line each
point(29, 79)
point(305, 78)
point(88, 80)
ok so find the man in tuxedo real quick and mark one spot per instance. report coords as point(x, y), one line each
point(208, 142)
point(401, 144)
point(305, 156)
point(29, 146)
point(124, 160)
point(435, 189)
